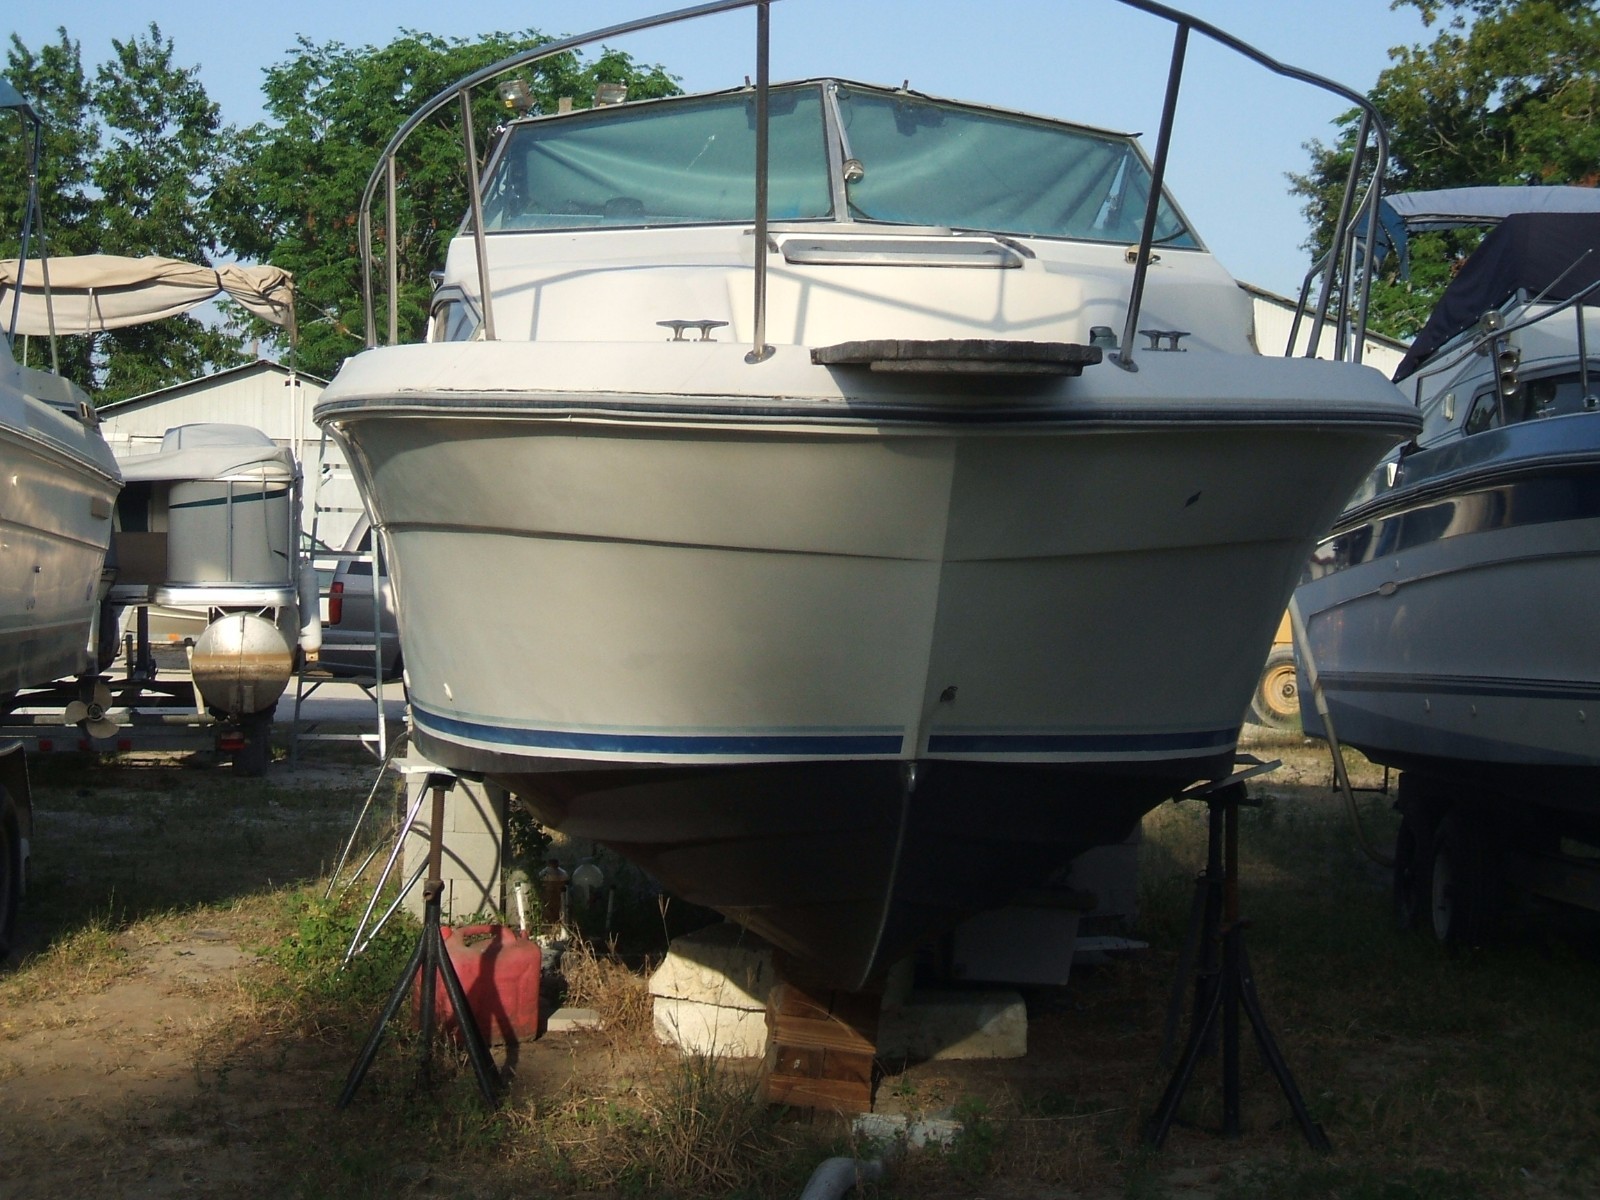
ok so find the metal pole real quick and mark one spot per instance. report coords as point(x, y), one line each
point(1583, 355)
point(475, 189)
point(1158, 170)
point(1336, 250)
point(364, 236)
point(393, 258)
point(760, 351)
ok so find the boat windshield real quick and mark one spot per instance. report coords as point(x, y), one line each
point(921, 162)
point(932, 163)
point(678, 162)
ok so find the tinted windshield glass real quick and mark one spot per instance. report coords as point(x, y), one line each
point(678, 163)
point(935, 164)
point(685, 162)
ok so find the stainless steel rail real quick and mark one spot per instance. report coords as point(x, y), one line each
point(461, 91)
point(32, 215)
point(1339, 270)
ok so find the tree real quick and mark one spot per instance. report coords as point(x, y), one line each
point(54, 84)
point(128, 165)
point(293, 197)
point(165, 148)
point(1508, 92)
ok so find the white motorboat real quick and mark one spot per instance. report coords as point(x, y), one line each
point(58, 481)
point(1447, 617)
point(781, 499)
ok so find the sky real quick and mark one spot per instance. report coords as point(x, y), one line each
point(1239, 129)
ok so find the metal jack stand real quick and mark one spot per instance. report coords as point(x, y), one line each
point(433, 962)
point(1224, 982)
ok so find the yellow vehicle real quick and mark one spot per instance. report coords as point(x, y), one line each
point(1276, 704)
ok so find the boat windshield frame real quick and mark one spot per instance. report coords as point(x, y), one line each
point(1345, 273)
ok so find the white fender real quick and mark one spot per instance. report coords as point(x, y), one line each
point(310, 612)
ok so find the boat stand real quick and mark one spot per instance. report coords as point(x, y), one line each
point(431, 959)
point(1223, 982)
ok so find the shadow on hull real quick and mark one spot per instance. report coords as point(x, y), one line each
point(848, 865)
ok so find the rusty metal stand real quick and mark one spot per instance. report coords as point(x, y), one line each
point(431, 959)
point(1224, 984)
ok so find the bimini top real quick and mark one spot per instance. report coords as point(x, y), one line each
point(1552, 255)
point(1452, 208)
point(91, 293)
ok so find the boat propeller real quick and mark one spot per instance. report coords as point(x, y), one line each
point(90, 714)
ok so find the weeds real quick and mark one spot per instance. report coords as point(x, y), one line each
point(1435, 1077)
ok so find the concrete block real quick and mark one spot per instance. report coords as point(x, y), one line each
point(915, 1132)
point(710, 992)
point(1111, 875)
point(572, 1020)
point(712, 1030)
point(473, 843)
point(722, 965)
point(1021, 944)
point(955, 1025)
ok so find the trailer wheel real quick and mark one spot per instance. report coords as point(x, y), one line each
point(10, 871)
point(1458, 883)
point(1277, 700)
point(1412, 853)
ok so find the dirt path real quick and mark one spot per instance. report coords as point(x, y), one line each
point(90, 1080)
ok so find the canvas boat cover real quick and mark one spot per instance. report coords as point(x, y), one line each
point(91, 293)
point(212, 451)
point(1553, 255)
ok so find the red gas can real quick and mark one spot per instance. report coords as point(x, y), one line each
point(499, 972)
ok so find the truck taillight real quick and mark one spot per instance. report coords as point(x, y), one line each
point(336, 603)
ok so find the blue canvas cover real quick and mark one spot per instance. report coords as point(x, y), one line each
point(1555, 255)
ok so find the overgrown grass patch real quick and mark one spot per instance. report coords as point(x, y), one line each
point(1436, 1077)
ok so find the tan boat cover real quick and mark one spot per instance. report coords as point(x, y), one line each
point(91, 293)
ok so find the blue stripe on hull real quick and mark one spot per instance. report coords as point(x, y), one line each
point(829, 744)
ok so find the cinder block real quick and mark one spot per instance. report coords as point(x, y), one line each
point(954, 1025)
point(1111, 875)
point(710, 992)
point(1020, 944)
point(712, 1030)
point(573, 1020)
point(722, 964)
point(915, 1132)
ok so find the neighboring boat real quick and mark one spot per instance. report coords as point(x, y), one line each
point(207, 536)
point(780, 497)
point(58, 481)
point(1447, 620)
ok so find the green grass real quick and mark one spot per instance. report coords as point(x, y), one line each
point(1435, 1077)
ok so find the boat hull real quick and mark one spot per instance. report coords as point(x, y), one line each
point(809, 662)
point(846, 865)
point(56, 520)
point(1451, 622)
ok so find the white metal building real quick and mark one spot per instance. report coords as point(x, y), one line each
point(1275, 316)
